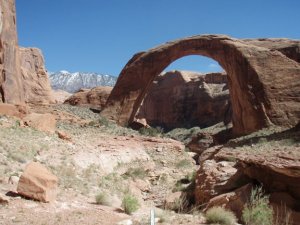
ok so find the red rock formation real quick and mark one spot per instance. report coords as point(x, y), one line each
point(264, 84)
point(290, 48)
point(35, 80)
point(94, 98)
point(185, 99)
point(11, 90)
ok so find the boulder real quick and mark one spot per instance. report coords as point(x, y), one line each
point(214, 178)
point(35, 80)
point(233, 201)
point(42, 122)
point(185, 99)
point(94, 98)
point(38, 183)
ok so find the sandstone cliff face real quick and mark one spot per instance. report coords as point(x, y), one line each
point(94, 98)
point(185, 99)
point(35, 81)
point(11, 90)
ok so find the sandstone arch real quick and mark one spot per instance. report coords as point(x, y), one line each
point(264, 84)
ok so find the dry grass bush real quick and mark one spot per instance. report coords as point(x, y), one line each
point(103, 199)
point(219, 215)
point(130, 203)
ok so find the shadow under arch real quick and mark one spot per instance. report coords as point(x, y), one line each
point(254, 80)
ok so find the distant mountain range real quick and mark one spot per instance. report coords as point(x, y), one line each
point(72, 82)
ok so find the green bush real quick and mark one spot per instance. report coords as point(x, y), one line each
point(103, 199)
point(130, 203)
point(258, 210)
point(221, 216)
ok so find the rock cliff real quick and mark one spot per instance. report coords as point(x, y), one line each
point(11, 90)
point(185, 99)
point(35, 81)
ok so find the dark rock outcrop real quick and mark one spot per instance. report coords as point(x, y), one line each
point(185, 99)
point(264, 83)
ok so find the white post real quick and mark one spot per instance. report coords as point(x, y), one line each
point(152, 217)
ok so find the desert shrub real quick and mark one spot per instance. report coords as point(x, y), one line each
point(258, 210)
point(130, 203)
point(151, 131)
point(103, 199)
point(220, 215)
point(138, 172)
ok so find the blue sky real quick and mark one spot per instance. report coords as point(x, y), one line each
point(102, 35)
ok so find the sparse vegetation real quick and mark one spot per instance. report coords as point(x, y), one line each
point(151, 131)
point(103, 199)
point(219, 215)
point(258, 210)
point(138, 172)
point(130, 203)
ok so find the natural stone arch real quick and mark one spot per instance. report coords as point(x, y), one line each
point(264, 84)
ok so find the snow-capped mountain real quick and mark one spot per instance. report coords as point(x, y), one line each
point(72, 82)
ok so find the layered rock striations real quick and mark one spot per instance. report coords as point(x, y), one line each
point(35, 81)
point(264, 83)
point(185, 99)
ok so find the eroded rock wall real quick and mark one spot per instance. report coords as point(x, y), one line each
point(185, 99)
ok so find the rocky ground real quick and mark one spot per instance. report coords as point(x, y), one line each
point(97, 158)
point(97, 161)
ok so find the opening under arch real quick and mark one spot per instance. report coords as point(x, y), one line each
point(191, 91)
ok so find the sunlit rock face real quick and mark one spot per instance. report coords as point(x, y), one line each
point(35, 81)
point(11, 90)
